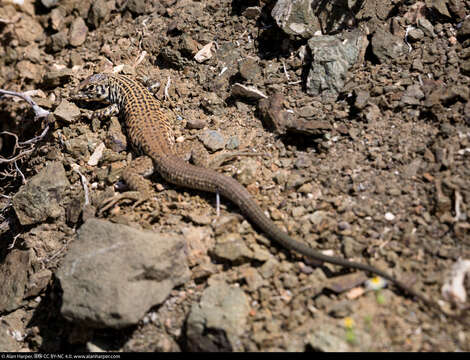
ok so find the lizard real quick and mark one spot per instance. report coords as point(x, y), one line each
point(150, 133)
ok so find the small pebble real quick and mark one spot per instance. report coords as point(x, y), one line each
point(389, 216)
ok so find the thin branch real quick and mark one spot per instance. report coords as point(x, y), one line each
point(168, 83)
point(38, 111)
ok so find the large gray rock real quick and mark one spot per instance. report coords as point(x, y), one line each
point(39, 199)
point(113, 274)
point(333, 56)
point(216, 323)
point(305, 17)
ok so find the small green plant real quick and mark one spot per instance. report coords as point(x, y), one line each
point(349, 325)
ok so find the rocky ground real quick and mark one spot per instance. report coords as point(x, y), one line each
point(356, 143)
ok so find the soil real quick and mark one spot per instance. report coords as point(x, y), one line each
point(384, 180)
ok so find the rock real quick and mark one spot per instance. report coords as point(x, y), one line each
point(54, 78)
point(78, 32)
point(212, 140)
point(212, 104)
point(28, 70)
point(307, 111)
point(115, 139)
point(426, 26)
point(218, 320)
point(49, 3)
point(32, 53)
point(252, 12)
point(415, 34)
point(38, 282)
point(386, 46)
point(188, 46)
point(58, 18)
point(233, 143)
point(412, 95)
point(362, 99)
point(59, 40)
point(464, 31)
point(112, 274)
point(248, 171)
point(304, 18)
point(332, 58)
point(328, 337)
point(67, 111)
point(268, 268)
point(343, 283)
point(440, 6)
point(296, 18)
point(248, 92)
point(28, 30)
point(137, 6)
point(200, 218)
point(40, 198)
point(273, 115)
point(249, 69)
point(195, 123)
point(465, 67)
point(99, 12)
point(14, 277)
point(253, 278)
point(232, 247)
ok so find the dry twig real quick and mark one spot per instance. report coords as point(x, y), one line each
point(24, 147)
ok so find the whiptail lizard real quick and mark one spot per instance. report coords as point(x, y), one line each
point(149, 131)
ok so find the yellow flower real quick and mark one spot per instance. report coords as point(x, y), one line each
point(348, 322)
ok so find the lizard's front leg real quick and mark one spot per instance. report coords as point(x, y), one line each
point(107, 112)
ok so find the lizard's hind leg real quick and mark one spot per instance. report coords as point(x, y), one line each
point(134, 176)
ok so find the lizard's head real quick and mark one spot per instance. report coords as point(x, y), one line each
point(93, 88)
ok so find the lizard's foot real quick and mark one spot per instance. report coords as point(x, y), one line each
point(135, 196)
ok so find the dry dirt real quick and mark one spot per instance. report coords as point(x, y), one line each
point(384, 180)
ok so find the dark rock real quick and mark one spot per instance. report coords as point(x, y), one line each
point(138, 7)
point(188, 46)
point(14, 278)
point(252, 12)
point(464, 31)
point(40, 198)
point(386, 46)
point(249, 69)
point(413, 95)
point(99, 12)
point(54, 78)
point(59, 40)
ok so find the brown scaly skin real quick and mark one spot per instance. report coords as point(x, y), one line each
point(148, 129)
